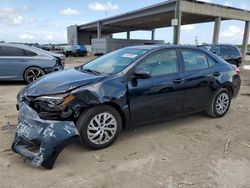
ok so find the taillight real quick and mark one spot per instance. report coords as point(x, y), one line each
point(237, 71)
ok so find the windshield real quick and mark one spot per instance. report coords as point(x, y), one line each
point(113, 62)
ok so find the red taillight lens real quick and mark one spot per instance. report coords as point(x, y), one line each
point(237, 71)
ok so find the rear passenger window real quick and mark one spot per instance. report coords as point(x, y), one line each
point(29, 53)
point(164, 62)
point(235, 51)
point(225, 51)
point(12, 51)
point(194, 60)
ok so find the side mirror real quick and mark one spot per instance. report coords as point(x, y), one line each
point(141, 74)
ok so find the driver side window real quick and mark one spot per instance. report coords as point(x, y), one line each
point(164, 62)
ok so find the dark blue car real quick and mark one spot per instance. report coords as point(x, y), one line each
point(75, 50)
point(122, 89)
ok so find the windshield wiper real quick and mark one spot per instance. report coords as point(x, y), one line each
point(91, 71)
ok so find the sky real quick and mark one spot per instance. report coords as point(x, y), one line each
point(46, 21)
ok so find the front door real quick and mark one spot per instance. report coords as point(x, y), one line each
point(162, 94)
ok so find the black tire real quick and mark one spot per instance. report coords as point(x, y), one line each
point(84, 121)
point(38, 72)
point(213, 111)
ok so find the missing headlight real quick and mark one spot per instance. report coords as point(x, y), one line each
point(54, 107)
point(53, 100)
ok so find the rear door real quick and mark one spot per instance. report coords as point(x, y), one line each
point(162, 94)
point(201, 76)
point(13, 62)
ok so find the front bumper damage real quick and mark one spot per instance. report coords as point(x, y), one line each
point(40, 140)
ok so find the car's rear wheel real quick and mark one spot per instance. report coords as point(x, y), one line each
point(99, 126)
point(33, 73)
point(220, 104)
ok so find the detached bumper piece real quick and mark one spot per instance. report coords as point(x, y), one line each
point(40, 140)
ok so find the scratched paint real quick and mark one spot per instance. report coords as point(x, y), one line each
point(49, 137)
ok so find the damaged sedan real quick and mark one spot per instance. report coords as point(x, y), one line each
point(92, 103)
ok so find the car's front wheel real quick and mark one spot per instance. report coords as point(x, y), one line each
point(220, 104)
point(33, 73)
point(99, 126)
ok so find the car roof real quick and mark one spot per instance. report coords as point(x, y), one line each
point(162, 46)
point(26, 47)
point(224, 45)
point(23, 46)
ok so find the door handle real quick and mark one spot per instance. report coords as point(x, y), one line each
point(178, 81)
point(216, 73)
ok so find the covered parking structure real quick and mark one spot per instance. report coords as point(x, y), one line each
point(167, 14)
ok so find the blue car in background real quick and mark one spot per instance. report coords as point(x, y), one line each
point(75, 50)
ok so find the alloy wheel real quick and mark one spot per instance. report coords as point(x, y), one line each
point(222, 103)
point(102, 128)
point(33, 74)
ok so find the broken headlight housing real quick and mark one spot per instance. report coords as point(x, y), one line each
point(55, 100)
point(52, 103)
point(53, 106)
point(52, 100)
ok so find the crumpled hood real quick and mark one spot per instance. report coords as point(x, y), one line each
point(60, 82)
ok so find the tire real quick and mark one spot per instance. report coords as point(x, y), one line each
point(88, 126)
point(33, 73)
point(218, 109)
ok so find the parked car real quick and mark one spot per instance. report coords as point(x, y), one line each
point(75, 50)
point(21, 62)
point(205, 46)
point(122, 89)
point(229, 53)
point(248, 51)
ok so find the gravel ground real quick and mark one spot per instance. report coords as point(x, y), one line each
point(183, 152)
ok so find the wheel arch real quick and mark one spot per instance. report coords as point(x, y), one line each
point(229, 87)
point(119, 110)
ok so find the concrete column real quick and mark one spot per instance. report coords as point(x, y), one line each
point(128, 35)
point(153, 34)
point(216, 30)
point(177, 28)
point(245, 40)
point(99, 30)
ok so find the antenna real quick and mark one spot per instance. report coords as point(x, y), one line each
point(196, 40)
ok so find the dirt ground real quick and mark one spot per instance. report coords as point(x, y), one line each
point(184, 152)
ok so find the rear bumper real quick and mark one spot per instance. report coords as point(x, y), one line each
point(40, 140)
point(236, 84)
